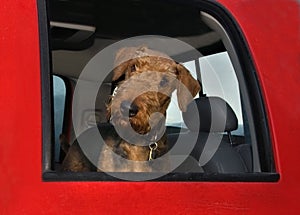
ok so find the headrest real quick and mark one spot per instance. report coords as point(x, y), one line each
point(215, 115)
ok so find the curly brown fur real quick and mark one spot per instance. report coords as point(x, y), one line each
point(146, 80)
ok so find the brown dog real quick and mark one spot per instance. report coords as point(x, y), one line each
point(145, 81)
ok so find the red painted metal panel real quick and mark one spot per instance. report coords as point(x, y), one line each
point(273, 36)
point(271, 30)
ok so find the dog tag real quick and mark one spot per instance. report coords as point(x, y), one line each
point(152, 147)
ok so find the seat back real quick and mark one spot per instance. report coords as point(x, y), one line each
point(213, 149)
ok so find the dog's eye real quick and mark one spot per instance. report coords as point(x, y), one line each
point(164, 81)
point(133, 68)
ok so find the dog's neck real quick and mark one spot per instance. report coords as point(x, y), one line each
point(142, 152)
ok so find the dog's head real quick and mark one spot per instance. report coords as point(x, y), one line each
point(145, 81)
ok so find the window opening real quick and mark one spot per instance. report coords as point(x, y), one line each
point(74, 47)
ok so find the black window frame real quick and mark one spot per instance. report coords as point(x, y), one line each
point(268, 170)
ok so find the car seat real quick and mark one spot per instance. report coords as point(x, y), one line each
point(213, 151)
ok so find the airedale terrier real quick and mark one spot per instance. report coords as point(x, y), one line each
point(145, 80)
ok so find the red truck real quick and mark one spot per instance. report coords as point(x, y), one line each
point(244, 53)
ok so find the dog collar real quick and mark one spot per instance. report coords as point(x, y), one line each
point(152, 147)
point(114, 92)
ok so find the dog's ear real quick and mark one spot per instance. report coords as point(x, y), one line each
point(119, 71)
point(187, 87)
point(125, 60)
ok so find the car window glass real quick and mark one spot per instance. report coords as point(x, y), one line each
point(59, 93)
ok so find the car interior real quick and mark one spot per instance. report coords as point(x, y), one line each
point(80, 29)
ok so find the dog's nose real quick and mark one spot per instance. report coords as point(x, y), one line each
point(128, 108)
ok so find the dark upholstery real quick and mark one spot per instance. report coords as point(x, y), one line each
point(215, 115)
point(216, 118)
